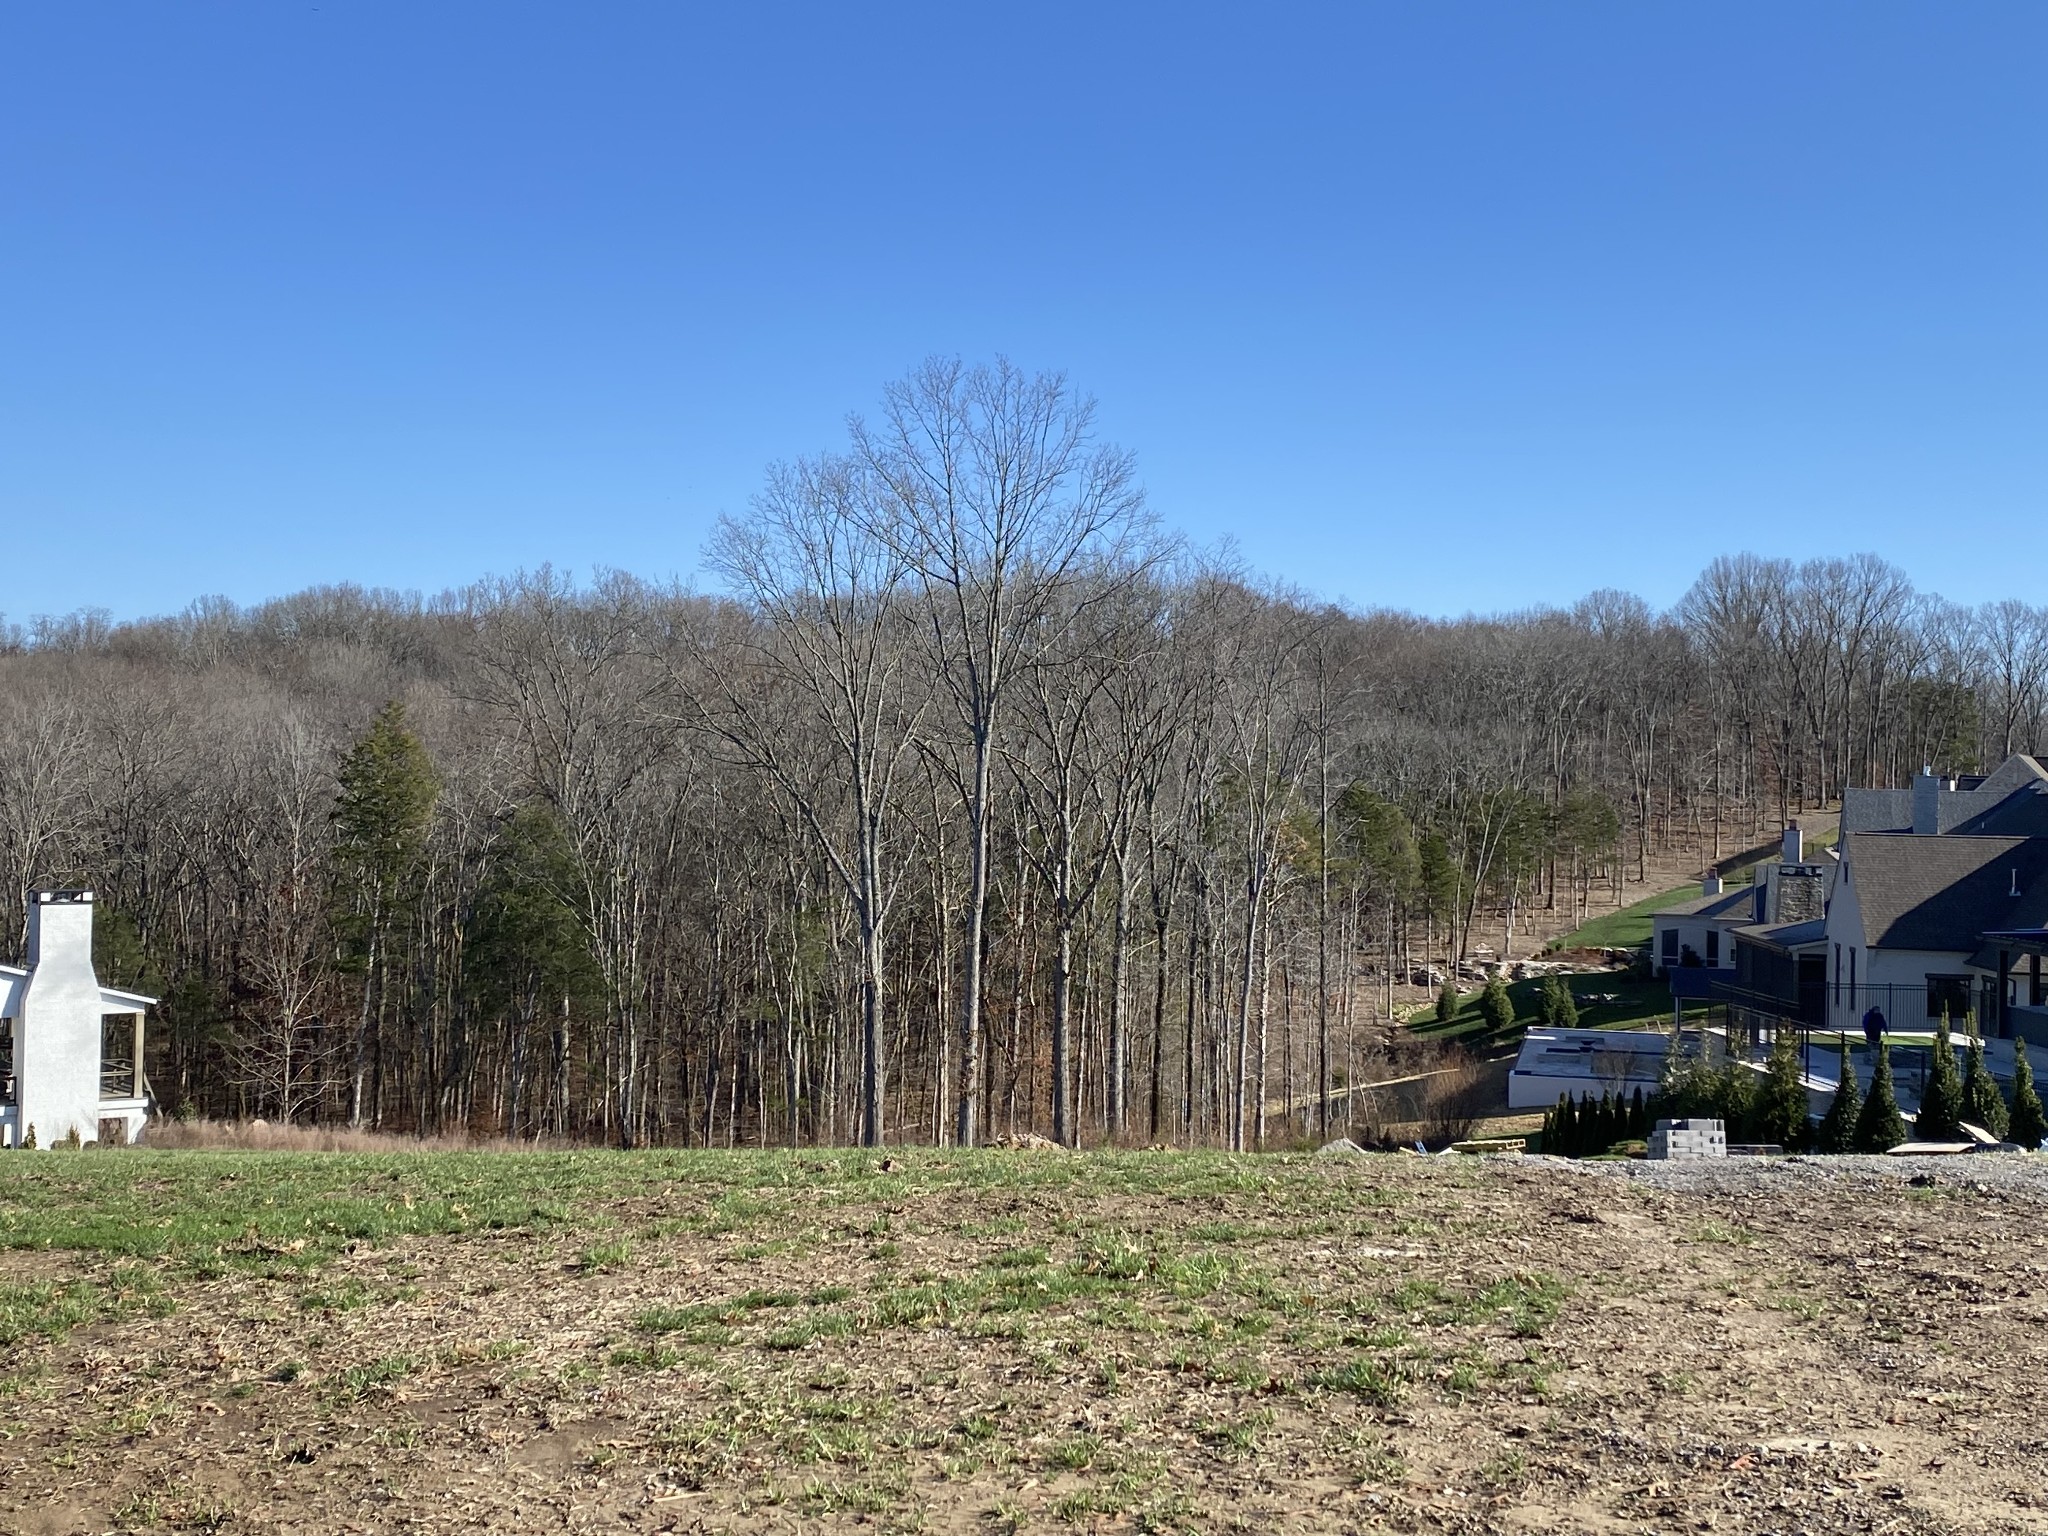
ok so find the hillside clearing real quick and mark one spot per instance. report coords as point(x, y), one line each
point(1011, 1341)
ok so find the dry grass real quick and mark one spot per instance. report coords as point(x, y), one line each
point(266, 1136)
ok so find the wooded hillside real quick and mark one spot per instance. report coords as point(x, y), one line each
point(972, 805)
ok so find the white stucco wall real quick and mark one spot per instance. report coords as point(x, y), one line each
point(58, 1073)
point(1693, 931)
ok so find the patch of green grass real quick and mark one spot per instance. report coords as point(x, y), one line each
point(358, 1382)
point(1366, 1377)
point(602, 1258)
point(1732, 1233)
point(1629, 927)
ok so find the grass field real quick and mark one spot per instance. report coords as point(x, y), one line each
point(1635, 1004)
point(196, 1341)
point(1628, 928)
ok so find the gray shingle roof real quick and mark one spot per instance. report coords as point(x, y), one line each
point(1891, 810)
point(1738, 901)
point(2023, 813)
point(1943, 892)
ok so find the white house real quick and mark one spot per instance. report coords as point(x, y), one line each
point(1699, 934)
point(70, 1049)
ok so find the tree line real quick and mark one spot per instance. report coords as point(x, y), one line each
point(969, 803)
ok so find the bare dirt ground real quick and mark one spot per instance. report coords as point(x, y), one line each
point(1038, 1341)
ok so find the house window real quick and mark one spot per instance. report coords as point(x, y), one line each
point(1713, 946)
point(1670, 939)
point(120, 1056)
point(1949, 995)
point(1838, 973)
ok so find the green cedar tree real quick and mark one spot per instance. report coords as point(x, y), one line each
point(1880, 1127)
point(1447, 1002)
point(2028, 1123)
point(1782, 1112)
point(1983, 1105)
point(1497, 1006)
point(1941, 1103)
point(1837, 1132)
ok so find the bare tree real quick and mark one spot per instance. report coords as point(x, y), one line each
point(829, 620)
point(999, 499)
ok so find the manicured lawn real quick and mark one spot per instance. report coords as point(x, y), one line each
point(1633, 1005)
point(1627, 928)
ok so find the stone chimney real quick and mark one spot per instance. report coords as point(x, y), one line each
point(1795, 845)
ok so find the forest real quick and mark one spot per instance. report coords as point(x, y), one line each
point(961, 800)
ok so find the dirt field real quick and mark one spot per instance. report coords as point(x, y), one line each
point(1017, 1341)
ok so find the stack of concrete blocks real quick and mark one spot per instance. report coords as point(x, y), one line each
point(1689, 1138)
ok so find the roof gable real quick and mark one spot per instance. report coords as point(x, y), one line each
point(1941, 893)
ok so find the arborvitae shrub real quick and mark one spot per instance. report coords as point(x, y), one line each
point(1447, 1002)
point(1880, 1127)
point(1983, 1105)
point(1782, 1114)
point(1638, 1118)
point(1558, 1009)
point(1837, 1131)
point(1941, 1104)
point(1495, 1004)
point(1567, 1129)
point(2028, 1124)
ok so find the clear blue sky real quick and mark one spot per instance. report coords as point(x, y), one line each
point(1435, 305)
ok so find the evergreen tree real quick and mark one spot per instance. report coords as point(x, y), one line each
point(2028, 1124)
point(1941, 1104)
point(1880, 1127)
point(1983, 1105)
point(1638, 1117)
point(388, 790)
point(1495, 1004)
point(1447, 1002)
point(1609, 1128)
point(1837, 1132)
point(1567, 1128)
point(1782, 1111)
point(1558, 1009)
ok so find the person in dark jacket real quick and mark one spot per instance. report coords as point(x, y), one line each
point(1873, 1025)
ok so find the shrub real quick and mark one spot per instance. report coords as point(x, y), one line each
point(1559, 1011)
point(1941, 1104)
point(1695, 1087)
point(1496, 1005)
point(1453, 1102)
point(1982, 1103)
point(2029, 1123)
point(1447, 1002)
point(1561, 1136)
point(1837, 1131)
point(1782, 1113)
point(1880, 1127)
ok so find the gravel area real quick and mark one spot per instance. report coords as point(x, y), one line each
point(2019, 1175)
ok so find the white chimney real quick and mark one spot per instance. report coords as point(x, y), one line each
point(58, 1074)
point(1711, 886)
point(1927, 790)
point(1795, 845)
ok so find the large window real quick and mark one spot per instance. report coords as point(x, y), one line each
point(1949, 995)
point(1670, 937)
point(1713, 946)
point(120, 1056)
